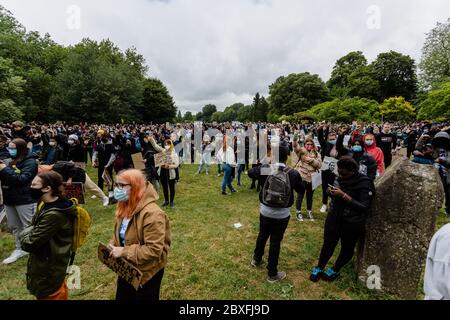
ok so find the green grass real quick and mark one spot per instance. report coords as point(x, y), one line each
point(209, 259)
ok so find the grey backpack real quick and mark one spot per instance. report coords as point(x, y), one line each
point(277, 189)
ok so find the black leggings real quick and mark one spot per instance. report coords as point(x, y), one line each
point(328, 177)
point(149, 291)
point(335, 230)
point(167, 185)
point(306, 187)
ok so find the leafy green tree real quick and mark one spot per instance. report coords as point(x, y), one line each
point(345, 110)
point(436, 105)
point(296, 92)
point(245, 113)
point(188, 117)
point(158, 105)
point(396, 74)
point(397, 109)
point(98, 83)
point(435, 63)
point(199, 116)
point(11, 86)
point(208, 111)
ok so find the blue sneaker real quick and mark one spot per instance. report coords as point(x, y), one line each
point(330, 274)
point(315, 274)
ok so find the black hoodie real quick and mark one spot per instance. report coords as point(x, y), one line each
point(362, 191)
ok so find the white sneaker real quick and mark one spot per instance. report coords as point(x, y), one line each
point(310, 215)
point(299, 216)
point(15, 255)
point(94, 197)
point(105, 201)
point(323, 209)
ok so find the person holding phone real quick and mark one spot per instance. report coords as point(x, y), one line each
point(351, 199)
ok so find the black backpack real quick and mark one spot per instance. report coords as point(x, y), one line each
point(277, 189)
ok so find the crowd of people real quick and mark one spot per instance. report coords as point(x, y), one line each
point(37, 160)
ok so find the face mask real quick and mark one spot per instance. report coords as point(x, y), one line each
point(120, 195)
point(369, 142)
point(52, 144)
point(12, 153)
point(36, 194)
point(357, 148)
point(167, 147)
point(71, 142)
point(310, 148)
point(332, 142)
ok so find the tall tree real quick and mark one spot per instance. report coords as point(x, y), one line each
point(396, 74)
point(296, 92)
point(208, 111)
point(157, 105)
point(436, 105)
point(352, 77)
point(435, 63)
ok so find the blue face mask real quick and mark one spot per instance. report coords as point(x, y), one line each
point(12, 152)
point(357, 148)
point(120, 195)
point(332, 142)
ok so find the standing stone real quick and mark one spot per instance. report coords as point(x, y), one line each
point(400, 226)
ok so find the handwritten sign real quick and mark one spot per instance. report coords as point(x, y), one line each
point(74, 190)
point(122, 267)
point(163, 158)
point(138, 161)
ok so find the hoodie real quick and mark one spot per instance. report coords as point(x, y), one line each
point(376, 153)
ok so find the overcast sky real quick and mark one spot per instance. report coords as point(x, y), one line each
point(224, 51)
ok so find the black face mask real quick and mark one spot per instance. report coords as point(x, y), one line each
point(36, 194)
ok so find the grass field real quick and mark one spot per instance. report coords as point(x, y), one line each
point(209, 258)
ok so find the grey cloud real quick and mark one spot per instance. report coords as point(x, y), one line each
point(224, 51)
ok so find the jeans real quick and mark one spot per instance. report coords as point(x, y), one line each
point(348, 234)
point(227, 177)
point(241, 169)
point(167, 185)
point(273, 228)
point(306, 187)
point(149, 291)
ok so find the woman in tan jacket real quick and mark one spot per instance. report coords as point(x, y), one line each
point(308, 163)
point(141, 235)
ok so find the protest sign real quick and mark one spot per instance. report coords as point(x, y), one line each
point(107, 178)
point(122, 267)
point(138, 161)
point(74, 190)
point(329, 163)
point(163, 158)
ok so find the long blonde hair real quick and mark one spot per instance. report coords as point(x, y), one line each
point(138, 184)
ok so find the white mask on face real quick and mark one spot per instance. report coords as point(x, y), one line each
point(71, 142)
point(52, 144)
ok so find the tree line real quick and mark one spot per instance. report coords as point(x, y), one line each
point(91, 81)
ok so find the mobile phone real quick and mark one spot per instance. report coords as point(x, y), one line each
point(331, 186)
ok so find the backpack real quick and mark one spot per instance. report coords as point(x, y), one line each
point(81, 227)
point(277, 189)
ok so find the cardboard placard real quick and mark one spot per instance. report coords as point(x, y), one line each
point(347, 140)
point(107, 178)
point(121, 266)
point(74, 190)
point(163, 158)
point(138, 161)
